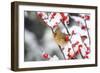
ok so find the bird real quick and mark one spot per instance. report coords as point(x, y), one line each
point(60, 38)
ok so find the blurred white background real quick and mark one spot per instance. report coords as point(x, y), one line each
point(5, 36)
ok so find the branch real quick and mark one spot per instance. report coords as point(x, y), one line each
point(62, 52)
point(88, 32)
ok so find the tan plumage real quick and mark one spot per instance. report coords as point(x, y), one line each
point(60, 37)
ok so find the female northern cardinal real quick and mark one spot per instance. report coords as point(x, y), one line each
point(60, 38)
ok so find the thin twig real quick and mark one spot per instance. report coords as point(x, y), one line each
point(69, 39)
point(88, 32)
point(81, 55)
point(62, 52)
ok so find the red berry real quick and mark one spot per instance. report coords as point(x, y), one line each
point(53, 15)
point(65, 17)
point(88, 48)
point(62, 14)
point(67, 38)
point(83, 37)
point(45, 56)
point(80, 46)
point(87, 52)
point(87, 17)
point(86, 57)
point(83, 27)
point(40, 15)
point(71, 56)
